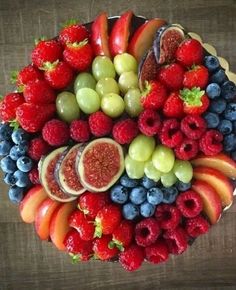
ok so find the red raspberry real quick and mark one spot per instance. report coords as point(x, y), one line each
point(122, 236)
point(172, 76)
point(79, 131)
point(187, 150)
point(197, 226)
point(27, 74)
point(100, 124)
point(168, 216)
point(193, 126)
point(56, 132)
point(176, 240)
point(132, 258)
point(211, 142)
point(8, 106)
point(189, 203)
point(37, 148)
point(125, 131)
point(102, 250)
point(34, 176)
point(147, 232)
point(157, 253)
point(170, 134)
point(149, 122)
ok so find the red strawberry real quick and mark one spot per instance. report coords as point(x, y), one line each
point(190, 52)
point(102, 250)
point(79, 55)
point(172, 76)
point(195, 101)
point(32, 117)
point(8, 106)
point(154, 95)
point(173, 106)
point(197, 76)
point(132, 258)
point(123, 235)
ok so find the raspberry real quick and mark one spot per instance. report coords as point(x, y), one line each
point(56, 132)
point(34, 176)
point(168, 216)
point(37, 148)
point(102, 250)
point(189, 203)
point(176, 240)
point(147, 232)
point(125, 131)
point(171, 135)
point(197, 226)
point(79, 131)
point(100, 124)
point(193, 126)
point(149, 122)
point(132, 258)
point(157, 253)
point(210, 143)
point(187, 150)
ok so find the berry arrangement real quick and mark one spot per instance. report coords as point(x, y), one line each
point(120, 147)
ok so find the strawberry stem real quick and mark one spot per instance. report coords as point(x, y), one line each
point(192, 97)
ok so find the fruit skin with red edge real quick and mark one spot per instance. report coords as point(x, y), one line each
point(100, 124)
point(173, 106)
point(99, 35)
point(73, 32)
point(146, 232)
point(31, 122)
point(154, 96)
point(197, 76)
point(211, 142)
point(118, 39)
point(34, 176)
point(132, 258)
point(187, 150)
point(176, 240)
point(79, 130)
point(149, 122)
point(190, 52)
point(46, 50)
point(8, 106)
point(170, 134)
point(157, 253)
point(172, 76)
point(167, 216)
point(38, 148)
point(193, 126)
point(189, 203)
point(123, 235)
point(125, 131)
point(102, 250)
point(197, 226)
point(27, 74)
point(56, 132)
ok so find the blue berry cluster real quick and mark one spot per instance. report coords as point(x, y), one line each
point(14, 163)
point(139, 197)
point(221, 114)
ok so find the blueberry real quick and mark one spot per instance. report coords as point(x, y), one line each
point(211, 119)
point(128, 182)
point(181, 186)
point(15, 194)
point(5, 147)
point(5, 132)
point(8, 165)
point(19, 135)
point(225, 127)
point(211, 62)
point(130, 211)
point(228, 90)
point(233, 155)
point(217, 106)
point(154, 195)
point(24, 164)
point(18, 151)
point(138, 195)
point(230, 112)
point(147, 182)
point(229, 143)
point(234, 127)
point(22, 178)
point(213, 91)
point(9, 179)
point(219, 77)
point(119, 194)
point(169, 194)
point(147, 209)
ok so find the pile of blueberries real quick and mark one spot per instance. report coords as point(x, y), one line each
point(221, 114)
point(139, 197)
point(15, 163)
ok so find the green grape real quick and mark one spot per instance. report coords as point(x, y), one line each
point(67, 107)
point(112, 105)
point(163, 158)
point(128, 80)
point(103, 67)
point(134, 169)
point(133, 105)
point(106, 86)
point(125, 62)
point(151, 172)
point(141, 147)
point(183, 170)
point(168, 179)
point(88, 100)
point(84, 80)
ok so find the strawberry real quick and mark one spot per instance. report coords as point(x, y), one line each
point(173, 106)
point(195, 101)
point(107, 220)
point(172, 76)
point(46, 50)
point(58, 74)
point(123, 235)
point(8, 106)
point(32, 117)
point(102, 250)
point(79, 55)
point(197, 76)
point(190, 52)
point(154, 95)
point(39, 92)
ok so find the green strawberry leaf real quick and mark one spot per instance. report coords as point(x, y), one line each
point(37, 40)
point(1, 97)
point(14, 75)
point(14, 124)
point(47, 66)
point(192, 97)
point(111, 245)
point(98, 230)
point(78, 44)
point(76, 258)
point(69, 23)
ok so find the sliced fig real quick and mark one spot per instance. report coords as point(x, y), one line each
point(101, 164)
point(47, 177)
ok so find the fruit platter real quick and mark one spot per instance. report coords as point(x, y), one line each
point(119, 141)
